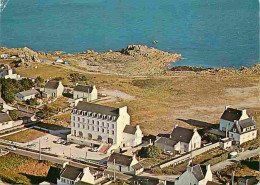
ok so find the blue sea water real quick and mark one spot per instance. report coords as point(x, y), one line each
point(209, 33)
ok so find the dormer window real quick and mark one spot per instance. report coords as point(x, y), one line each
point(113, 118)
point(99, 115)
point(88, 114)
point(108, 118)
point(104, 116)
point(94, 115)
point(84, 113)
point(234, 130)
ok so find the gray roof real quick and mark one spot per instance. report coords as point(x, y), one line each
point(247, 180)
point(137, 166)
point(166, 141)
point(84, 88)
point(231, 114)
point(29, 92)
point(4, 117)
point(120, 159)
point(197, 172)
point(96, 108)
point(130, 129)
point(71, 172)
point(182, 134)
point(247, 123)
point(52, 85)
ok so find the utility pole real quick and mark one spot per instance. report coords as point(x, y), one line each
point(40, 158)
point(233, 176)
point(114, 170)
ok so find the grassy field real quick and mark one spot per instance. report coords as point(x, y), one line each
point(25, 136)
point(188, 100)
point(16, 169)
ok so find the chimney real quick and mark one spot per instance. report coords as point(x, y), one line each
point(226, 107)
point(208, 167)
point(137, 127)
point(176, 125)
point(64, 164)
point(86, 170)
point(244, 112)
point(195, 130)
point(123, 110)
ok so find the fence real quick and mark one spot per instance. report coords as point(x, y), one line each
point(188, 156)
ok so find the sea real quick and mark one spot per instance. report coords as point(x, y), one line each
point(207, 33)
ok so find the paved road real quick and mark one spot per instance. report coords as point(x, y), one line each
point(241, 156)
point(61, 160)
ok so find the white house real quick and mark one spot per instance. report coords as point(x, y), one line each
point(74, 175)
point(27, 95)
point(6, 122)
point(231, 115)
point(196, 175)
point(87, 92)
point(8, 72)
point(243, 131)
point(53, 89)
point(226, 143)
point(96, 124)
point(124, 163)
point(4, 56)
point(181, 140)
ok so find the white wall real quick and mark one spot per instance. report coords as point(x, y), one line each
point(89, 96)
point(243, 137)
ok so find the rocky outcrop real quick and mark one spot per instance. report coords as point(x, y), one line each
point(27, 55)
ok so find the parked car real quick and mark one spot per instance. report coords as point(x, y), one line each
point(95, 149)
point(11, 148)
point(232, 155)
point(59, 141)
point(168, 153)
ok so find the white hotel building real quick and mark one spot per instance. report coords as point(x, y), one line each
point(93, 124)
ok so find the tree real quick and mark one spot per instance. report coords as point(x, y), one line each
point(150, 152)
point(26, 84)
point(32, 101)
point(13, 114)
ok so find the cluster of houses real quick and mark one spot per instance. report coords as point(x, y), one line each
point(110, 128)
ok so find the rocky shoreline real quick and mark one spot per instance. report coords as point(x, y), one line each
point(134, 60)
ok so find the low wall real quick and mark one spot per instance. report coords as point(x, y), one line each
point(189, 155)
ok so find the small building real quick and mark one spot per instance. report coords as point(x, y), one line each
point(132, 136)
point(88, 92)
point(53, 89)
point(25, 116)
point(197, 175)
point(243, 131)
point(6, 122)
point(59, 60)
point(74, 175)
point(4, 56)
point(247, 181)
point(226, 143)
point(7, 72)
point(27, 95)
point(231, 115)
point(181, 140)
point(124, 163)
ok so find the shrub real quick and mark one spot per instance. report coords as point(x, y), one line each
point(150, 152)
point(13, 114)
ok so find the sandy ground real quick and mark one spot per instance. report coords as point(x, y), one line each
point(116, 95)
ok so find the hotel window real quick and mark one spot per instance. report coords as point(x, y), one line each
point(73, 124)
point(88, 127)
point(103, 124)
point(108, 131)
point(92, 121)
point(88, 121)
point(98, 129)
point(83, 119)
point(78, 125)
point(113, 126)
point(83, 126)
point(113, 132)
point(73, 118)
point(103, 130)
point(97, 122)
point(78, 118)
point(92, 128)
point(107, 125)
